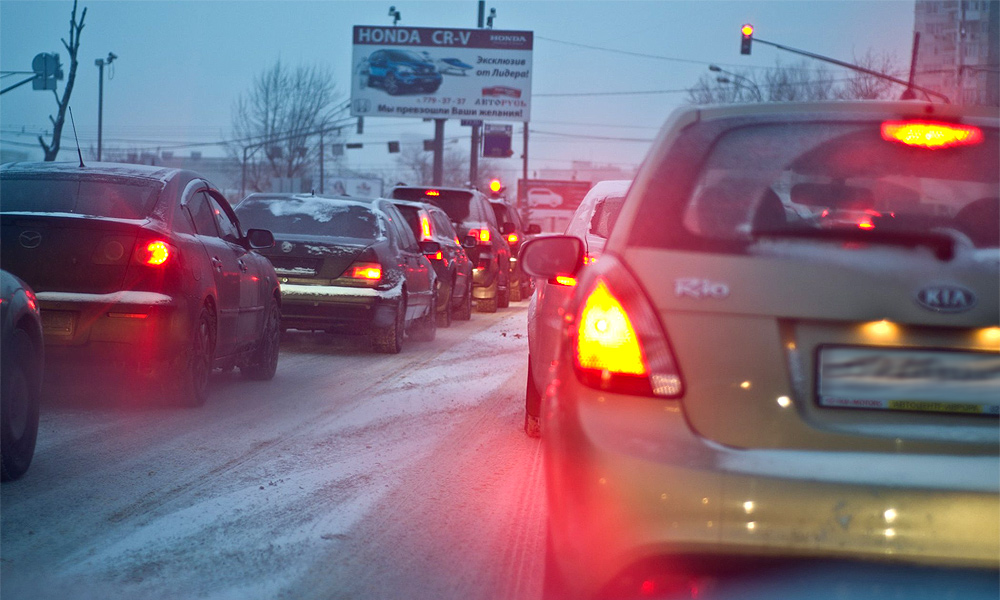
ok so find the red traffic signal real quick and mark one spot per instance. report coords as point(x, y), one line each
point(747, 31)
point(496, 186)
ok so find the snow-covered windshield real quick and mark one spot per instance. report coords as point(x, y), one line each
point(92, 196)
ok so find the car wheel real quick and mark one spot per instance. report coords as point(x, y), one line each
point(444, 312)
point(196, 369)
point(390, 84)
point(532, 405)
point(21, 389)
point(515, 291)
point(464, 310)
point(389, 340)
point(424, 329)
point(263, 363)
point(503, 296)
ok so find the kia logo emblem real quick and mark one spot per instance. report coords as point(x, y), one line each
point(286, 246)
point(30, 239)
point(946, 298)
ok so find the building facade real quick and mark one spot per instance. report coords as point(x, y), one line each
point(959, 49)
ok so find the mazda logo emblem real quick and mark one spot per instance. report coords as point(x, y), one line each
point(946, 298)
point(286, 246)
point(30, 239)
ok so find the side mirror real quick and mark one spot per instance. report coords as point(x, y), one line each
point(430, 247)
point(547, 257)
point(508, 228)
point(260, 239)
point(534, 229)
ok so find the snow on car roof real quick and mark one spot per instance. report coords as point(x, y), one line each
point(162, 174)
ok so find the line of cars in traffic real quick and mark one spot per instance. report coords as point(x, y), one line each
point(780, 347)
point(150, 272)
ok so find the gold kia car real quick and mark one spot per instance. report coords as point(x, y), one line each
point(789, 350)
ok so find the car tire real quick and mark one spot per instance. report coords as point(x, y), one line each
point(390, 84)
point(19, 407)
point(389, 340)
point(424, 329)
point(515, 291)
point(503, 296)
point(464, 310)
point(532, 405)
point(263, 363)
point(196, 368)
point(444, 312)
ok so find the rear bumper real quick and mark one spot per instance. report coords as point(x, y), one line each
point(130, 328)
point(628, 482)
point(336, 308)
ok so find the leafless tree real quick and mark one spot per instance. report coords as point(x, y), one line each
point(73, 46)
point(276, 122)
point(416, 166)
point(797, 83)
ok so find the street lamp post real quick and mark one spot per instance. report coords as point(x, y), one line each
point(100, 62)
point(736, 80)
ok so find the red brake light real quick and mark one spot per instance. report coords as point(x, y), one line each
point(366, 271)
point(154, 253)
point(425, 227)
point(931, 135)
point(432, 193)
point(565, 280)
point(618, 342)
point(484, 235)
point(512, 238)
point(588, 259)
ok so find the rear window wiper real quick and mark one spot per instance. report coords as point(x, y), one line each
point(942, 244)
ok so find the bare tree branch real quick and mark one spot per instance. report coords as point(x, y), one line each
point(73, 48)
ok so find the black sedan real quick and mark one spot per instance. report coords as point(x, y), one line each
point(348, 266)
point(21, 359)
point(142, 268)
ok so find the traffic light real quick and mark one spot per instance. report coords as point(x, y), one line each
point(496, 187)
point(747, 31)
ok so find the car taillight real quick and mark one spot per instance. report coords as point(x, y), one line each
point(484, 236)
point(425, 227)
point(564, 280)
point(512, 238)
point(618, 342)
point(588, 259)
point(367, 271)
point(154, 253)
point(432, 193)
point(930, 134)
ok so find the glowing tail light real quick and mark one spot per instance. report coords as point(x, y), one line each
point(565, 280)
point(619, 344)
point(366, 271)
point(425, 227)
point(432, 193)
point(588, 259)
point(512, 238)
point(154, 253)
point(931, 135)
point(484, 236)
point(607, 340)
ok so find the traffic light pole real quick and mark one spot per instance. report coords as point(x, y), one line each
point(474, 151)
point(841, 63)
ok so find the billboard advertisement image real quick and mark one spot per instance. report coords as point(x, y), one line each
point(435, 73)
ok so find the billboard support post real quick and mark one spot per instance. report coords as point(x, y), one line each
point(438, 151)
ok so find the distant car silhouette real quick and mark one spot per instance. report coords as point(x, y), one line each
point(502, 90)
point(398, 72)
point(544, 197)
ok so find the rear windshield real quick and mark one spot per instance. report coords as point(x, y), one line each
point(773, 178)
point(412, 216)
point(454, 202)
point(309, 216)
point(91, 196)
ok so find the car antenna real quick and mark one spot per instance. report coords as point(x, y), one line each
point(73, 121)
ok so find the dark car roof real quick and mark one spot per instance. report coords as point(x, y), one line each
point(123, 170)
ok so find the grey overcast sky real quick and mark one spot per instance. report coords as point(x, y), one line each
point(183, 64)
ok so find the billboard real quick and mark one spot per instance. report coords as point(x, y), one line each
point(552, 194)
point(427, 72)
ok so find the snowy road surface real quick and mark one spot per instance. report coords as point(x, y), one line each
point(350, 475)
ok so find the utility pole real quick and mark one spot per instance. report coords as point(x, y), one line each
point(100, 62)
point(474, 152)
point(438, 174)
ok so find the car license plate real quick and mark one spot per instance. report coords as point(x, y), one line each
point(909, 380)
point(58, 322)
